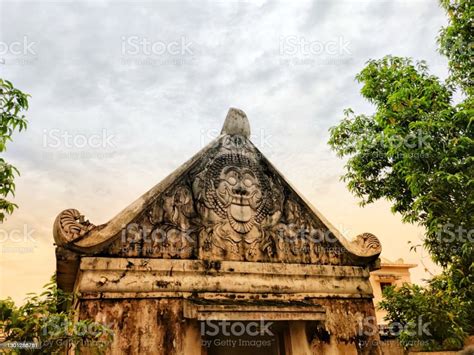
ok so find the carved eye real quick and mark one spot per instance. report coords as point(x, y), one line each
point(248, 182)
point(232, 180)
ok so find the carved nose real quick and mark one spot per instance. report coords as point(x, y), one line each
point(239, 190)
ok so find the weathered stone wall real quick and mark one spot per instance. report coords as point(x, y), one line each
point(350, 326)
point(157, 326)
point(141, 326)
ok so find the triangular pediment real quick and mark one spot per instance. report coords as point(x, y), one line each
point(227, 203)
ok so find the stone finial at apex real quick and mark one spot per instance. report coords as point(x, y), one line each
point(236, 122)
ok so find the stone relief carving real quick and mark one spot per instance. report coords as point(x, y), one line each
point(166, 230)
point(231, 206)
point(234, 198)
point(225, 203)
point(173, 224)
point(70, 226)
point(368, 244)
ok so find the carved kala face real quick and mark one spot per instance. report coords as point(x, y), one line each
point(235, 188)
point(240, 187)
point(239, 192)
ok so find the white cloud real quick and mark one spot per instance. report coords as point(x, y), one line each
point(158, 107)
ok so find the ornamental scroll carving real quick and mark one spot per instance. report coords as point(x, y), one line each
point(70, 226)
point(231, 205)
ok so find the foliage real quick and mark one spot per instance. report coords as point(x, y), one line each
point(12, 103)
point(417, 151)
point(430, 318)
point(456, 41)
point(43, 320)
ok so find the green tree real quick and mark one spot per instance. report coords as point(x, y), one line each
point(45, 321)
point(417, 152)
point(431, 318)
point(12, 103)
point(457, 43)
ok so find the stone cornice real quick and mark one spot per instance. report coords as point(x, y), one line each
point(116, 277)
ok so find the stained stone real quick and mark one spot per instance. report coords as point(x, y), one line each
point(236, 123)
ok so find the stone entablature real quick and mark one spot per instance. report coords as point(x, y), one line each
point(112, 277)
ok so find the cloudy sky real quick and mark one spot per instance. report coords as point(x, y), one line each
point(123, 93)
